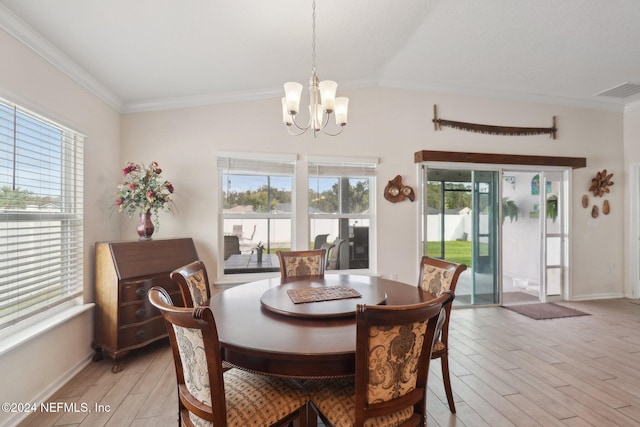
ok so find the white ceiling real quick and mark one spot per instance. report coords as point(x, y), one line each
point(150, 54)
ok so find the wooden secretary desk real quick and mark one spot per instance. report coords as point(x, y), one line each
point(125, 271)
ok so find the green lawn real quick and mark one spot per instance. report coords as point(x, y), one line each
point(454, 251)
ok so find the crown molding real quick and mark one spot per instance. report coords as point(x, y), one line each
point(41, 46)
point(505, 95)
point(199, 100)
point(223, 98)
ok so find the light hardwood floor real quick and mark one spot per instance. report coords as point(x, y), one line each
point(508, 370)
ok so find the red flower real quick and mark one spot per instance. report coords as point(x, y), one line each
point(129, 168)
point(143, 189)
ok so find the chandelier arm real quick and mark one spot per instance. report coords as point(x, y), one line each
point(302, 128)
point(332, 134)
point(325, 120)
point(296, 133)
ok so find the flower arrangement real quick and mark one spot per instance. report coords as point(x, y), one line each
point(144, 190)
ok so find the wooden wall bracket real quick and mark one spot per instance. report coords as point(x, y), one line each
point(493, 130)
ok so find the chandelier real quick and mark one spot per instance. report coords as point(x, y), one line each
point(322, 99)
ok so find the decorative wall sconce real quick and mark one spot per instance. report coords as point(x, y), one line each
point(396, 191)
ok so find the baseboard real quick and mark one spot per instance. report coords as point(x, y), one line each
point(53, 388)
point(592, 297)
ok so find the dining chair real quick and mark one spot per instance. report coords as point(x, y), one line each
point(231, 246)
point(302, 264)
point(335, 256)
point(328, 248)
point(438, 276)
point(319, 240)
point(393, 350)
point(210, 396)
point(193, 282)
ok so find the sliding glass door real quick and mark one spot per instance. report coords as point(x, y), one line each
point(460, 220)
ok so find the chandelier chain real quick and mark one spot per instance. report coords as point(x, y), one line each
point(313, 36)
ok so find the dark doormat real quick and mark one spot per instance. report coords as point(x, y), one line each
point(545, 310)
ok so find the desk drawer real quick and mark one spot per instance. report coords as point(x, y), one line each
point(137, 312)
point(142, 333)
point(137, 289)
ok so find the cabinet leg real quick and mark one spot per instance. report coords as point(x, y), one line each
point(117, 367)
point(98, 355)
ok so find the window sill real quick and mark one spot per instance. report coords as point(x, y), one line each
point(230, 280)
point(20, 333)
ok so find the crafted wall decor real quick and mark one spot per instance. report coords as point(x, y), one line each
point(493, 130)
point(600, 183)
point(396, 191)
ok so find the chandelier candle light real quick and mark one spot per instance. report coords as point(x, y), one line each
point(322, 99)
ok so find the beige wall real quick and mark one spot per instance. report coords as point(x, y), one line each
point(632, 187)
point(390, 125)
point(27, 79)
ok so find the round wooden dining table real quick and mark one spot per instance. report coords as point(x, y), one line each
point(261, 330)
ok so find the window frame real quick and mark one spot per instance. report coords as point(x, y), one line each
point(264, 165)
point(55, 281)
point(350, 168)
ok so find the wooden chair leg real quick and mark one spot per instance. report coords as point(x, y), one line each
point(304, 416)
point(444, 361)
point(312, 416)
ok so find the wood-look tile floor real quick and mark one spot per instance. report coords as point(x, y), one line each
point(507, 370)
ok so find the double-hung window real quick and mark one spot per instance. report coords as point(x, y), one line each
point(257, 209)
point(41, 213)
point(342, 210)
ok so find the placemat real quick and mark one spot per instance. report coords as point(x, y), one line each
point(304, 295)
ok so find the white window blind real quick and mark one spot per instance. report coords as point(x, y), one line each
point(237, 163)
point(41, 213)
point(342, 168)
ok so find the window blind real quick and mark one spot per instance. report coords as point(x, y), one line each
point(258, 166)
point(41, 213)
point(341, 168)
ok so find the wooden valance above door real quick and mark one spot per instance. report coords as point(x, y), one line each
point(498, 159)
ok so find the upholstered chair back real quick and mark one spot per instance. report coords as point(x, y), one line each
point(438, 276)
point(302, 264)
point(393, 350)
point(194, 283)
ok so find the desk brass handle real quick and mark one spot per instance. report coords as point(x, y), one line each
point(140, 334)
point(140, 312)
point(141, 292)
